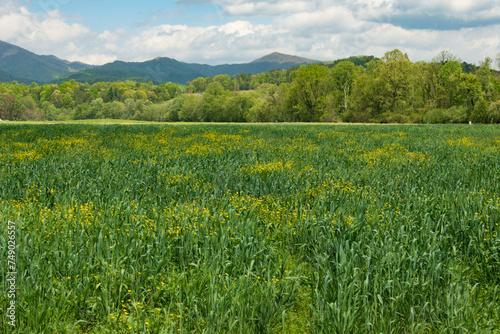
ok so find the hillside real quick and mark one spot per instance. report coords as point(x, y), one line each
point(170, 70)
point(156, 70)
point(21, 63)
point(24, 66)
point(281, 58)
point(7, 77)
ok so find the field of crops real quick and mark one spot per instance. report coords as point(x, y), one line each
point(251, 228)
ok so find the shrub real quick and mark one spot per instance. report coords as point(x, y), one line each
point(493, 113)
point(355, 117)
point(33, 115)
point(456, 114)
point(479, 114)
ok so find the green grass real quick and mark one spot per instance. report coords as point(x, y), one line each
point(237, 228)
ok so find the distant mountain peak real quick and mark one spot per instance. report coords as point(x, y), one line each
point(24, 66)
point(277, 57)
point(16, 62)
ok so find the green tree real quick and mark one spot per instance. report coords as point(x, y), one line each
point(192, 109)
point(343, 76)
point(28, 102)
point(395, 78)
point(444, 57)
point(81, 95)
point(10, 108)
point(214, 100)
point(67, 101)
point(225, 81)
point(237, 107)
point(469, 91)
point(428, 83)
point(448, 79)
point(307, 92)
point(366, 98)
point(140, 95)
point(114, 110)
point(493, 113)
point(270, 103)
point(57, 98)
point(423, 84)
point(112, 94)
point(96, 107)
point(174, 90)
point(479, 114)
point(174, 107)
point(372, 66)
point(485, 76)
point(198, 85)
point(46, 94)
point(49, 110)
point(130, 106)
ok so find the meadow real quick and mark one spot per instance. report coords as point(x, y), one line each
point(278, 228)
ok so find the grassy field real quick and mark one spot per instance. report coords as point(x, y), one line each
point(251, 228)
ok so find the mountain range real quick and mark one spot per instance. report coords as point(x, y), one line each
point(26, 67)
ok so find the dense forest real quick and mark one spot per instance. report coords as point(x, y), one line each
point(392, 89)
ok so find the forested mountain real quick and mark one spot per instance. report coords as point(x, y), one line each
point(30, 67)
point(18, 64)
point(7, 77)
point(156, 70)
point(277, 57)
point(164, 69)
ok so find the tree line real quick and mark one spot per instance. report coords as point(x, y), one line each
point(392, 89)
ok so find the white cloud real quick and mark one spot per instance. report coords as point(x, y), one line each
point(266, 8)
point(52, 34)
point(448, 7)
point(470, 12)
point(94, 59)
point(454, 12)
point(215, 44)
point(40, 33)
point(111, 41)
point(112, 36)
point(238, 28)
point(54, 29)
point(332, 19)
point(470, 44)
point(318, 29)
point(9, 6)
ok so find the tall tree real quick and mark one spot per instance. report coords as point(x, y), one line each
point(424, 84)
point(343, 75)
point(444, 57)
point(10, 108)
point(366, 98)
point(485, 76)
point(214, 100)
point(394, 75)
point(469, 91)
point(448, 79)
point(308, 92)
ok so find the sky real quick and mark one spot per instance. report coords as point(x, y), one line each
point(237, 31)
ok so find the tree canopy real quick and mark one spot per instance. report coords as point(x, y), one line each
point(356, 89)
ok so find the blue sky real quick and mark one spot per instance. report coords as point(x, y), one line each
point(233, 31)
point(101, 15)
